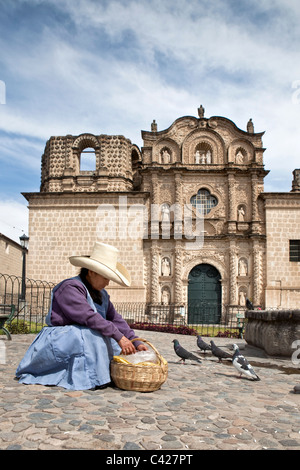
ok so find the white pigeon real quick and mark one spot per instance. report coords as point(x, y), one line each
point(242, 365)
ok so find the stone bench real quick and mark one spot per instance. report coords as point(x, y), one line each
point(274, 331)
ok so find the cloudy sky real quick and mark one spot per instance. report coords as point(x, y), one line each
point(112, 66)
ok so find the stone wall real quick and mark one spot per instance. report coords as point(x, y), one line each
point(11, 256)
point(274, 331)
point(282, 225)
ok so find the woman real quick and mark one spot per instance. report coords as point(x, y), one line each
point(84, 330)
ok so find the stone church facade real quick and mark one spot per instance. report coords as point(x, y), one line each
point(148, 202)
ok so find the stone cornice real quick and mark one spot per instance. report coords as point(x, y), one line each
point(212, 168)
point(82, 199)
point(281, 200)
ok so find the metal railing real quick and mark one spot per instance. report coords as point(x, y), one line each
point(33, 305)
point(155, 313)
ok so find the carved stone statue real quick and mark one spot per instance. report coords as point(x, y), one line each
point(165, 267)
point(242, 298)
point(239, 158)
point(201, 111)
point(202, 158)
point(241, 214)
point(197, 157)
point(296, 180)
point(243, 267)
point(165, 297)
point(250, 127)
point(165, 157)
point(153, 126)
point(165, 213)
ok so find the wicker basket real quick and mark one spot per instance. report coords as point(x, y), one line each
point(140, 378)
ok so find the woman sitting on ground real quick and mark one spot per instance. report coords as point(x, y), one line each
point(84, 330)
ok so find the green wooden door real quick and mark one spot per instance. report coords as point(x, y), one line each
point(204, 295)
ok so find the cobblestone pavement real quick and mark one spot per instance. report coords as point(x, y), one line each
point(200, 406)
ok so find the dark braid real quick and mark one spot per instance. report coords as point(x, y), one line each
point(95, 294)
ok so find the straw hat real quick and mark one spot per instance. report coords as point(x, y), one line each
point(103, 260)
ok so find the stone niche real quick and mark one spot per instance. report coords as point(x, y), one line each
point(274, 331)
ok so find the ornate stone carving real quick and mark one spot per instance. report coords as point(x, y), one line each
point(61, 161)
point(178, 274)
point(257, 274)
point(202, 139)
point(155, 251)
point(232, 273)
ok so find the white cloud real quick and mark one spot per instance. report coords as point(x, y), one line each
point(22, 151)
point(114, 66)
point(13, 219)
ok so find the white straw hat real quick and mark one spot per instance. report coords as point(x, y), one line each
point(103, 260)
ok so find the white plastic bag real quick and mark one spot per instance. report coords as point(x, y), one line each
point(141, 356)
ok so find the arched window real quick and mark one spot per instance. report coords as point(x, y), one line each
point(203, 201)
point(88, 159)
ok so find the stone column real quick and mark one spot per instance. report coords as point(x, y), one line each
point(231, 203)
point(154, 209)
point(178, 273)
point(154, 290)
point(232, 273)
point(254, 195)
point(178, 215)
point(257, 274)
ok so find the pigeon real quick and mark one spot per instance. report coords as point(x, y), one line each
point(249, 304)
point(202, 344)
point(242, 365)
point(219, 353)
point(183, 353)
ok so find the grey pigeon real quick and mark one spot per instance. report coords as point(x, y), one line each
point(183, 353)
point(242, 365)
point(202, 344)
point(219, 353)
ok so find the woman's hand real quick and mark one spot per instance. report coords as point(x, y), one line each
point(126, 346)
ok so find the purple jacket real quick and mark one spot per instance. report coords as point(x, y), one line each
point(70, 306)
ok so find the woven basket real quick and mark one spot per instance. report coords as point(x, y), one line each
point(140, 378)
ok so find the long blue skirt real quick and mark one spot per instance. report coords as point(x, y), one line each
point(72, 356)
